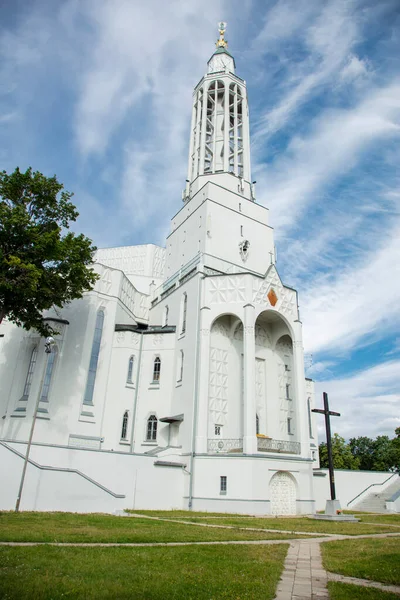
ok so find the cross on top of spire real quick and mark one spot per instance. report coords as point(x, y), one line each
point(222, 42)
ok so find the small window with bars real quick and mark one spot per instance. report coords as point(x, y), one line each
point(223, 484)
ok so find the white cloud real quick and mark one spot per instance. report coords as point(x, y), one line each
point(327, 31)
point(368, 401)
point(335, 145)
point(356, 303)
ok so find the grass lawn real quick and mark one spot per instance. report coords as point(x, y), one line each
point(192, 573)
point(371, 518)
point(376, 559)
point(344, 591)
point(71, 527)
point(285, 523)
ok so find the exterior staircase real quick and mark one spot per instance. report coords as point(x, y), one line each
point(376, 502)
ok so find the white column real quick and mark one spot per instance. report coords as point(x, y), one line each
point(301, 425)
point(235, 129)
point(249, 413)
point(246, 137)
point(192, 149)
point(202, 133)
point(204, 365)
point(226, 128)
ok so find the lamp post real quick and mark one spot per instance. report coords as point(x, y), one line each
point(48, 344)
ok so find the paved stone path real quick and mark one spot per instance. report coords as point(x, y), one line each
point(395, 589)
point(304, 576)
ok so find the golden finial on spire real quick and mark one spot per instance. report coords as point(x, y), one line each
point(221, 43)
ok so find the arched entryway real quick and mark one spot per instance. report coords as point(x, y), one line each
point(225, 395)
point(282, 493)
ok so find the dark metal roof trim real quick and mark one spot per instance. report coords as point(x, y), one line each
point(175, 419)
point(56, 320)
point(167, 463)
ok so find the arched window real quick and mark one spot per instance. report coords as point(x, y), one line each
point(151, 432)
point(166, 311)
point(44, 394)
point(257, 424)
point(94, 358)
point(180, 366)
point(129, 378)
point(29, 375)
point(124, 430)
point(184, 310)
point(157, 369)
point(309, 417)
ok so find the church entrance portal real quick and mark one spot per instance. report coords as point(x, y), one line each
point(282, 490)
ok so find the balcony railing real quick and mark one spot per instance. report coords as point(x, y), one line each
point(282, 446)
point(230, 445)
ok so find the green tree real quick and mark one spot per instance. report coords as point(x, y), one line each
point(41, 265)
point(341, 454)
point(363, 448)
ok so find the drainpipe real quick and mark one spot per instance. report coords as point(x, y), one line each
point(196, 396)
point(136, 394)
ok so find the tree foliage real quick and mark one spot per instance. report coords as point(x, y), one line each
point(364, 453)
point(341, 454)
point(41, 266)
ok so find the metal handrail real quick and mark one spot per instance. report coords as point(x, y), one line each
point(370, 486)
point(63, 469)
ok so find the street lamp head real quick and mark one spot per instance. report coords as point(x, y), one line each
point(48, 344)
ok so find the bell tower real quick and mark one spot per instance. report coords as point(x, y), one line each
point(220, 224)
point(219, 138)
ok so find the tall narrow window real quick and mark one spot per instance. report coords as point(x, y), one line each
point(29, 375)
point(180, 366)
point(257, 424)
point(309, 417)
point(241, 230)
point(223, 484)
point(166, 311)
point(184, 310)
point(124, 429)
point(289, 426)
point(151, 433)
point(288, 391)
point(44, 394)
point(129, 378)
point(94, 358)
point(157, 369)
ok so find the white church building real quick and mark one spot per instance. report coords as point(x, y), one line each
point(178, 381)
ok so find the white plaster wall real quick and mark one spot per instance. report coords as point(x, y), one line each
point(134, 476)
point(248, 481)
point(348, 484)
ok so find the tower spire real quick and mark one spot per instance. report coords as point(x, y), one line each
point(221, 42)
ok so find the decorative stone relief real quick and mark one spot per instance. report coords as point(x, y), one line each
point(249, 330)
point(262, 337)
point(220, 329)
point(159, 262)
point(158, 340)
point(272, 293)
point(120, 337)
point(282, 492)
point(260, 387)
point(134, 339)
point(129, 259)
point(218, 388)
point(227, 288)
point(205, 332)
point(238, 335)
point(105, 282)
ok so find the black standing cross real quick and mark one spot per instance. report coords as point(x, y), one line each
point(327, 414)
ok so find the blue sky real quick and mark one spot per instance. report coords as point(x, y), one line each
point(99, 92)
